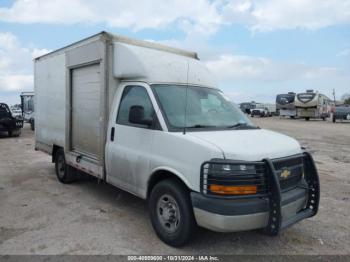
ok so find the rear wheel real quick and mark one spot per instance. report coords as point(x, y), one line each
point(307, 118)
point(171, 212)
point(65, 173)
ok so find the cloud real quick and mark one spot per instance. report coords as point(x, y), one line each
point(345, 52)
point(248, 78)
point(16, 64)
point(228, 67)
point(16, 82)
point(270, 15)
point(197, 16)
point(39, 52)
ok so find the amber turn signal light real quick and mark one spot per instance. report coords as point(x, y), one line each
point(233, 190)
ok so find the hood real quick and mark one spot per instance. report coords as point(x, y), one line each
point(251, 145)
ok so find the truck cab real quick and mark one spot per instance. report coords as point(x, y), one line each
point(8, 123)
point(151, 120)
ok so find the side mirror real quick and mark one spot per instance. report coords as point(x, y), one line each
point(137, 116)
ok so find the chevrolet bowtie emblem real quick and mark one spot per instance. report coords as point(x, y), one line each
point(285, 174)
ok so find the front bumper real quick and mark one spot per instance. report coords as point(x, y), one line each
point(224, 215)
point(257, 113)
point(274, 212)
point(10, 125)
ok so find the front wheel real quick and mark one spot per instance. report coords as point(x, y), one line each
point(32, 124)
point(14, 133)
point(65, 173)
point(171, 212)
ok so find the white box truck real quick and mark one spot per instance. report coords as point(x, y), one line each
point(149, 119)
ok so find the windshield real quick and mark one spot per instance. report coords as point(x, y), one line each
point(4, 111)
point(206, 108)
point(285, 99)
point(306, 97)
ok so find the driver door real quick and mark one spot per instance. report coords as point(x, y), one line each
point(129, 145)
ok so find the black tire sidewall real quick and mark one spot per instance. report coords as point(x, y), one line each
point(69, 172)
point(59, 154)
point(187, 225)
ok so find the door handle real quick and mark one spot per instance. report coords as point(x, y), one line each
point(112, 134)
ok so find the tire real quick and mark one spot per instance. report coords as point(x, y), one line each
point(333, 119)
point(171, 212)
point(17, 133)
point(32, 124)
point(307, 118)
point(14, 133)
point(65, 173)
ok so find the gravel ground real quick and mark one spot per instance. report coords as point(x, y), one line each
point(38, 215)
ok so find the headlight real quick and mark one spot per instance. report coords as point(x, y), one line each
point(232, 179)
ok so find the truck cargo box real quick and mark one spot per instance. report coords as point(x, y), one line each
point(75, 85)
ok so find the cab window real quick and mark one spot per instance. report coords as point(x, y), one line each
point(136, 96)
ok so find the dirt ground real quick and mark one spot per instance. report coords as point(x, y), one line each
point(38, 215)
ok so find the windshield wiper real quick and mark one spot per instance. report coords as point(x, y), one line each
point(200, 126)
point(242, 126)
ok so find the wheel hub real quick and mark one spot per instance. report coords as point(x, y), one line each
point(168, 213)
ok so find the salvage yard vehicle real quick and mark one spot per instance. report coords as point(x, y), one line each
point(27, 104)
point(148, 119)
point(285, 104)
point(247, 107)
point(341, 112)
point(262, 112)
point(313, 105)
point(9, 123)
point(269, 108)
point(16, 113)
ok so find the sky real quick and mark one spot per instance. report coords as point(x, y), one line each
point(255, 48)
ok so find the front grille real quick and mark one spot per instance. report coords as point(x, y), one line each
point(254, 175)
point(289, 171)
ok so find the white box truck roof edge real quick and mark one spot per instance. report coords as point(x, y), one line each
point(148, 61)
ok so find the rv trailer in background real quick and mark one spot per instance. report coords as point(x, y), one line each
point(313, 105)
point(27, 103)
point(285, 104)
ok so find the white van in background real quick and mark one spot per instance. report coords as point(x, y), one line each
point(149, 119)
